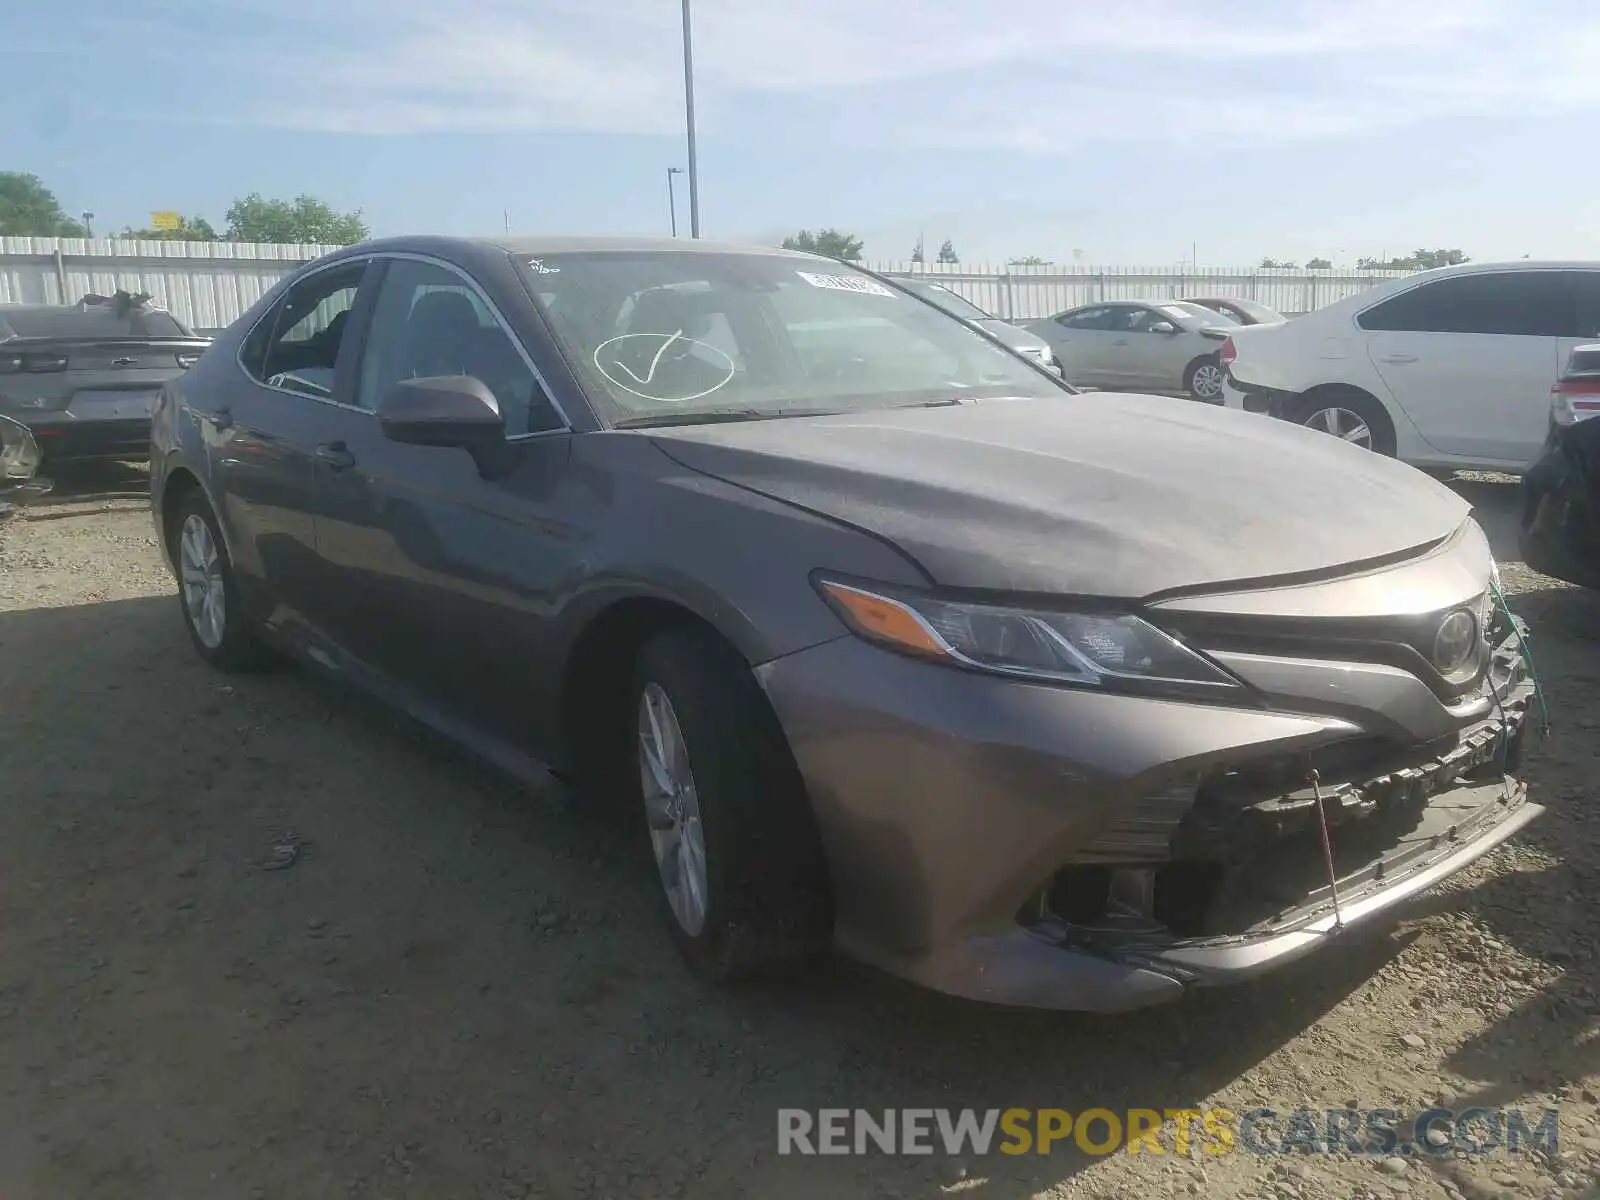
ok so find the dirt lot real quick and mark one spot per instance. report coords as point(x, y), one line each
point(459, 989)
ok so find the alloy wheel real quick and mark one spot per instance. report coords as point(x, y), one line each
point(1207, 381)
point(672, 809)
point(1342, 423)
point(205, 596)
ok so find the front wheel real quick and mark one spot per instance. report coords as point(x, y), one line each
point(1203, 380)
point(742, 875)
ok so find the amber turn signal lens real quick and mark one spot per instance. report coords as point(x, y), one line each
point(885, 619)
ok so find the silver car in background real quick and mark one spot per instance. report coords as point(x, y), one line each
point(1011, 336)
point(1165, 346)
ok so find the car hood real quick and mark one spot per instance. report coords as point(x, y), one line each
point(1087, 494)
point(1013, 336)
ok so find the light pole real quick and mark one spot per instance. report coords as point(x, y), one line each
point(88, 229)
point(688, 112)
point(672, 198)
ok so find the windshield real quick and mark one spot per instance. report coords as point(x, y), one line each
point(1260, 312)
point(955, 305)
point(96, 321)
point(658, 336)
point(1184, 310)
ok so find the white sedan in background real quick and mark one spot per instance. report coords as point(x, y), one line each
point(1163, 346)
point(1446, 368)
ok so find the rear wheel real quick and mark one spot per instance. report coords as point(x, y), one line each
point(1348, 414)
point(743, 879)
point(208, 593)
point(1203, 379)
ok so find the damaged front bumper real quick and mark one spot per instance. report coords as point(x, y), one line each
point(1060, 848)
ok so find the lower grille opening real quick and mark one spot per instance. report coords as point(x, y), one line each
point(1240, 852)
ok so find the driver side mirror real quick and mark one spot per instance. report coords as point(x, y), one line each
point(446, 410)
point(1163, 327)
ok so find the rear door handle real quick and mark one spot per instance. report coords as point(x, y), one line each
point(335, 456)
point(1397, 358)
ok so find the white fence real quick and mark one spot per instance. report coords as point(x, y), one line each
point(1024, 292)
point(208, 285)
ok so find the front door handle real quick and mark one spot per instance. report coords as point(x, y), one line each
point(1397, 358)
point(1120, 342)
point(335, 456)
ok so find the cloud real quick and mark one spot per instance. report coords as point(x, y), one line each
point(1039, 77)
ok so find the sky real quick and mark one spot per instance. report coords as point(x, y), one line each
point(1144, 132)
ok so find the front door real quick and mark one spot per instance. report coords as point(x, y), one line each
point(444, 574)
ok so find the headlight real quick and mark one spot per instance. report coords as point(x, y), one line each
point(1045, 356)
point(1102, 650)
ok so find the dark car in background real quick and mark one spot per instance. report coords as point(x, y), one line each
point(1242, 312)
point(959, 306)
point(83, 377)
point(890, 640)
point(1560, 532)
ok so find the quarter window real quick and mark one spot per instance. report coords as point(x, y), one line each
point(429, 322)
point(1507, 303)
point(296, 346)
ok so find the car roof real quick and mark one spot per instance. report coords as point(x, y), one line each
point(534, 247)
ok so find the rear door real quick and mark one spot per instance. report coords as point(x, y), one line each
point(1471, 358)
point(1081, 340)
point(264, 440)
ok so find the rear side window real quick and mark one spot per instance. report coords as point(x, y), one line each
point(1506, 303)
point(296, 345)
point(68, 321)
point(1088, 318)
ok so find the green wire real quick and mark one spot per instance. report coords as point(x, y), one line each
point(1527, 657)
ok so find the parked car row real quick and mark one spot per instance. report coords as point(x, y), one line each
point(892, 640)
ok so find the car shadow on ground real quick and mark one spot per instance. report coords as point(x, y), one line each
point(75, 484)
point(453, 968)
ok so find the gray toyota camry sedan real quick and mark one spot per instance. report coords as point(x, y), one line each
point(890, 640)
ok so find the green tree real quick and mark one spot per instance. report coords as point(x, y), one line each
point(29, 209)
point(190, 229)
point(1027, 260)
point(1318, 264)
point(1277, 264)
point(830, 243)
point(947, 253)
point(303, 220)
point(1417, 260)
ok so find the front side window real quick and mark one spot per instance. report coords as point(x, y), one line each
point(428, 322)
point(296, 346)
point(1505, 303)
point(655, 334)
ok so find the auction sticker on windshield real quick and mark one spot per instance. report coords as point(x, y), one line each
point(846, 283)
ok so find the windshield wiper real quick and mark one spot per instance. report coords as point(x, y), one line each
point(713, 416)
point(717, 416)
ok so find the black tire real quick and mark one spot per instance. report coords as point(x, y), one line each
point(1208, 394)
point(240, 649)
point(768, 897)
point(1353, 400)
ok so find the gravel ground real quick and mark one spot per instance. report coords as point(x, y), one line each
point(456, 989)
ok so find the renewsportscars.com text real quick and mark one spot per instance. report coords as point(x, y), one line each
point(1178, 1131)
